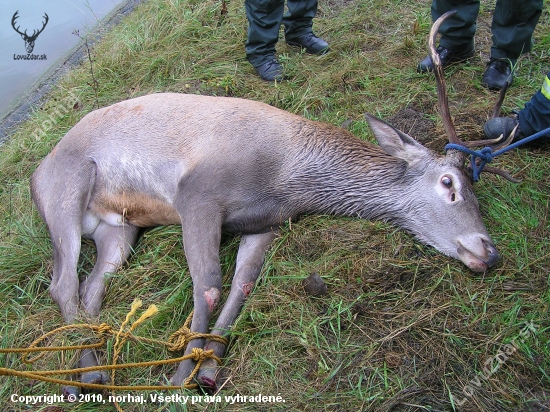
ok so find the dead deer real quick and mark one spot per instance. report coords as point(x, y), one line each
point(216, 164)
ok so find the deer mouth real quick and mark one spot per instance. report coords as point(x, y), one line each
point(485, 257)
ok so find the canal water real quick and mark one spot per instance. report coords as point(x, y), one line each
point(52, 22)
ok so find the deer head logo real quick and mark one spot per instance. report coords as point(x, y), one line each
point(29, 40)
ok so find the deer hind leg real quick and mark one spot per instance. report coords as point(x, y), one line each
point(61, 190)
point(250, 260)
point(64, 284)
point(114, 244)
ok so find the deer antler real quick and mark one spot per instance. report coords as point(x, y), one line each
point(15, 16)
point(500, 100)
point(502, 173)
point(443, 103)
point(442, 98)
point(34, 33)
point(499, 142)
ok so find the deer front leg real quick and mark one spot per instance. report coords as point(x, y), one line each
point(201, 240)
point(250, 260)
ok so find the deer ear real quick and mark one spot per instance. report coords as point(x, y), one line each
point(394, 142)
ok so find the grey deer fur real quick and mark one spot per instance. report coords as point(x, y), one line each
point(216, 164)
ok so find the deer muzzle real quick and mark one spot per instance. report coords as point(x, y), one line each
point(479, 255)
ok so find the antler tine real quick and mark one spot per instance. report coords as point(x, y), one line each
point(489, 142)
point(442, 98)
point(495, 144)
point(35, 32)
point(508, 140)
point(15, 16)
point(44, 25)
point(502, 173)
point(500, 100)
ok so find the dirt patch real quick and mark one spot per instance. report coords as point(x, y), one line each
point(413, 122)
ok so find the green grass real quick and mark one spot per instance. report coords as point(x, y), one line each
point(402, 328)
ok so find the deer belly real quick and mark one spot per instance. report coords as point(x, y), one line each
point(137, 209)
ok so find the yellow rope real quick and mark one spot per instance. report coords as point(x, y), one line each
point(177, 341)
point(198, 354)
point(122, 337)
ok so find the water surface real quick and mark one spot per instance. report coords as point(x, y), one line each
point(19, 70)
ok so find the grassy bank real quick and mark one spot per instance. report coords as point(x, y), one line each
point(402, 328)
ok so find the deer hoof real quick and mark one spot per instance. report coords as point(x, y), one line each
point(70, 393)
point(208, 384)
point(207, 375)
point(96, 377)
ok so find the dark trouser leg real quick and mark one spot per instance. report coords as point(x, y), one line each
point(298, 19)
point(513, 25)
point(458, 30)
point(264, 22)
point(536, 114)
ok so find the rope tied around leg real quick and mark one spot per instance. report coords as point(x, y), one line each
point(180, 338)
point(176, 342)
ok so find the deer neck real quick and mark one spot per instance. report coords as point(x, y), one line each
point(349, 178)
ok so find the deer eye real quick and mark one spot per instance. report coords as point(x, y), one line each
point(446, 181)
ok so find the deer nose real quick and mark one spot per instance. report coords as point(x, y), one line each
point(492, 253)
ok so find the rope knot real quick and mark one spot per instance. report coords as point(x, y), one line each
point(179, 339)
point(486, 155)
point(104, 329)
point(199, 355)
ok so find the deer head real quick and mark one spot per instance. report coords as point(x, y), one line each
point(29, 40)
